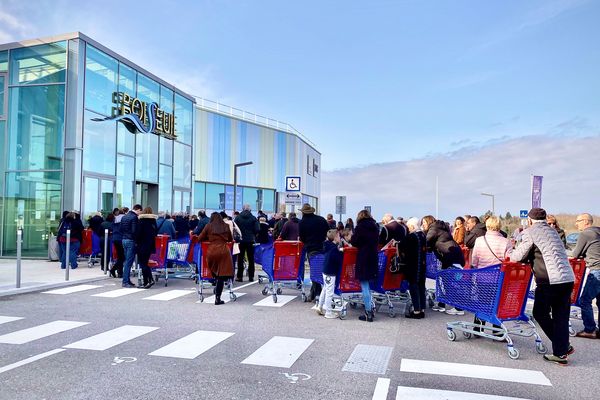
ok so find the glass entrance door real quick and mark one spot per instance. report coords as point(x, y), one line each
point(99, 195)
point(182, 201)
point(146, 194)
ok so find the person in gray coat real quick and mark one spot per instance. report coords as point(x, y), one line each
point(541, 246)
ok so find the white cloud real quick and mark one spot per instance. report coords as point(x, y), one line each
point(407, 188)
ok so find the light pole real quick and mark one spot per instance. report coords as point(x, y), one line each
point(235, 167)
point(493, 198)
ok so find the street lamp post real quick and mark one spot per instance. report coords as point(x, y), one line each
point(235, 167)
point(493, 198)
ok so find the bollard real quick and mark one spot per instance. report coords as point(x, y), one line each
point(137, 270)
point(19, 241)
point(105, 254)
point(68, 255)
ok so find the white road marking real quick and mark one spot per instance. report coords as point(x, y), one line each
point(118, 293)
point(224, 297)
point(72, 289)
point(191, 346)
point(409, 393)
point(280, 351)
point(369, 359)
point(169, 295)
point(30, 360)
point(475, 371)
point(40, 331)
point(381, 389)
point(243, 286)
point(281, 301)
point(4, 319)
point(108, 339)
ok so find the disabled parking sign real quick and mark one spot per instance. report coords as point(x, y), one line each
point(523, 213)
point(292, 183)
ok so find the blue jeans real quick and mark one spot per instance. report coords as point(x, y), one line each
point(73, 250)
point(366, 294)
point(129, 247)
point(591, 290)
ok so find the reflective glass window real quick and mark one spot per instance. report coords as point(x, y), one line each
point(146, 156)
point(199, 195)
point(251, 196)
point(36, 127)
point(215, 196)
point(101, 72)
point(125, 140)
point(125, 176)
point(182, 165)
point(127, 79)
point(166, 151)
point(32, 202)
point(90, 196)
point(166, 99)
point(184, 111)
point(268, 200)
point(2, 94)
point(148, 90)
point(38, 64)
point(165, 188)
point(99, 144)
point(4, 60)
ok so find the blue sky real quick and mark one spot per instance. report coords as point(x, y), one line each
point(372, 82)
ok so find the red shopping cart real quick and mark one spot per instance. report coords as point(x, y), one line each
point(388, 288)
point(205, 275)
point(282, 264)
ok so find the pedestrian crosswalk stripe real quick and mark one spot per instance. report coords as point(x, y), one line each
point(30, 360)
point(191, 346)
point(111, 338)
point(118, 293)
point(369, 359)
point(409, 393)
point(225, 297)
point(475, 371)
point(72, 289)
point(37, 332)
point(381, 389)
point(280, 351)
point(281, 301)
point(4, 319)
point(169, 295)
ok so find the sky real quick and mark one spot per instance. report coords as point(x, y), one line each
point(393, 93)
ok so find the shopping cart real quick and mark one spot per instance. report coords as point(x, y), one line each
point(180, 259)
point(579, 268)
point(432, 267)
point(158, 260)
point(282, 264)
point(90, 247)
point(467, 256)
point(205, 276)
point(259, 250)
point(388, 287)
point(495, 294)
point(348, 290)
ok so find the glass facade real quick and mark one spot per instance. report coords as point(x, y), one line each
point(99, 145)
point(101, 81)
point(217, 197)
point(41, 64)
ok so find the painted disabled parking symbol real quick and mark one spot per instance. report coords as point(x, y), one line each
point(298, 376)
point(120, 360)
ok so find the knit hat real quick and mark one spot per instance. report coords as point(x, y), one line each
point(537, 214)
point(307, 209)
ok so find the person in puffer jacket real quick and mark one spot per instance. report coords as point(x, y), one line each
point(541, 246)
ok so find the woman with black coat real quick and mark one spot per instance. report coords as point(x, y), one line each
point(145, 243)
point(365, 238)
point(413, 248)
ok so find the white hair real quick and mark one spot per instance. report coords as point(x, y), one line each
point(247, 207)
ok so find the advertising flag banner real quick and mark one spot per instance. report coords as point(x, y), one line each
point(536, 191)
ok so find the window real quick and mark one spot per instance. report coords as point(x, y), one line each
point(125, 140)
point(36, 127)
point(252, 196)
point(38, 64)
point(101, 79)
point(268, 200)
point(4, 60)
point(165, 187)
point(148, 90)
point(166, 99)
point(146, 155)
point(125, 168)
point(183, 119)
point(215, 196)
point(127, 80)
point(182, 165)
point(2, 95)
point(199, 195)
point(99, 144)
point(166, 151)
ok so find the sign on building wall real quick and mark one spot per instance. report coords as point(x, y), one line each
point(292, 183)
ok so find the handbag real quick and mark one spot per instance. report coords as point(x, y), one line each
point(398, 263)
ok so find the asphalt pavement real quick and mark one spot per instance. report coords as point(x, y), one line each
point(98, 342)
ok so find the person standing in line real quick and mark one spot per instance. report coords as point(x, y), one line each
point(349, 224)
point(279, 225)
point(588, 246)
point(117, 269)
point(249, 226)
point(391, 230)
point(413, 248)
point(312, 230)
point(203, 220)
point(475, 228)
point(235, 231)
point(553, 222)
point(459, 231)
point(129, 224)
point(365, 238)
point(263, 234)
point(541, 246)
point(331, 221)
point(164, 224)
point(70, 222)
point(218, 255)
point(291, 229)
point(332, 265)
point(146, 244)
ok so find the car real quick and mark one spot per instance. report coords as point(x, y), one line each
point(572, 239)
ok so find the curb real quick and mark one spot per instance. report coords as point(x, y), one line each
point(48, 286)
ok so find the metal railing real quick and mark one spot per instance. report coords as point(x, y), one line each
point(224, 109)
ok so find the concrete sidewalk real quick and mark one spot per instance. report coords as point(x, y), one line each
point(42, 275)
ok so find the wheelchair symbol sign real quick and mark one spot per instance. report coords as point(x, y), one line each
point(292, 183)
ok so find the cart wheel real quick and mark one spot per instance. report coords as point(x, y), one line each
point(451, 335)
point(166, 283)
point(232, 296)
point(299, 285)
point(260, 280)
point(274, 298)
point(467, 335)
point(343, 314)
point(513, 353)
point(201, 298)
point(541, 348)
point(304, 298)
point(571, 331)
point(265, 291)
point(392, 313)
point(431, 303)
point(279, 291)
point(353, 306)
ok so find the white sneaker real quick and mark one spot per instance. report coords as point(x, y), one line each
point(331, 314)
point(454, 311)
point(318, 309)
point(438, 308)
